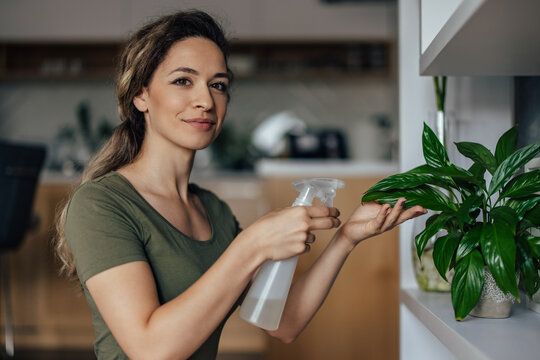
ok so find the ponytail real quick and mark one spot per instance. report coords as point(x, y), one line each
point(121, 149)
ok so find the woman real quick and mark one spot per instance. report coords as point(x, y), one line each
point(163, 262)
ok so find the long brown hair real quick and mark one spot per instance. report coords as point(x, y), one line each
point(144, 51)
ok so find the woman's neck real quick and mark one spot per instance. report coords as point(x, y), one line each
point(161, 171)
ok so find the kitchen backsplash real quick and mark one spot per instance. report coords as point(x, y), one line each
point(364, 109)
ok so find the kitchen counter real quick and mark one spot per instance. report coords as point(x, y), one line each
point(308, 167)
point(269, 168)
point(197, 175)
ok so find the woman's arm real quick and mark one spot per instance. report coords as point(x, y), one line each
point(310, 290)
point(127, 299)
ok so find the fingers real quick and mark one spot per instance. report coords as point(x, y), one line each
point(411, 213)
point(310, 240)
point(398, 214)
point(324, 223)
point(381, 216)
point(321, 211)
point(394, 214)
point(316, 217)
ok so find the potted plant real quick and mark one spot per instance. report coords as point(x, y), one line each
point(487, 224)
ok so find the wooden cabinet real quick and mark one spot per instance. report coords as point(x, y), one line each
point(359, 319)
point(48, 311)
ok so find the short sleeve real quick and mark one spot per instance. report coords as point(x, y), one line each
point(100, 232)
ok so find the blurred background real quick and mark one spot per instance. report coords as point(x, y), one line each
point(322, 88)
point(315, 94)
point(328, 64)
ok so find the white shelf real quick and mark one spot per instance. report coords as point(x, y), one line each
point(516, 337)
point(484, 37)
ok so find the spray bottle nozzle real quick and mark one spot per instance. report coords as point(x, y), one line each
point(322, 188)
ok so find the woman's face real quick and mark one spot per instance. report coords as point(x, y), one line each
point(186, 100)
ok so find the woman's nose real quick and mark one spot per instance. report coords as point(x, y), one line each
point(202, 98)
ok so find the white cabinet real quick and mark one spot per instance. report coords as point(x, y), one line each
point(103, 20)
point(480, 37)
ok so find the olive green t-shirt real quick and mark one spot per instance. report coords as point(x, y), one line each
point(109, 223)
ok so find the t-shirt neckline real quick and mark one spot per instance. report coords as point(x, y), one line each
point(193, 188)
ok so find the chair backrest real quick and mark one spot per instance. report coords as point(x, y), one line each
point(20, 165)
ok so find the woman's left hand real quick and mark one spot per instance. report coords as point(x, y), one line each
point(372, 218)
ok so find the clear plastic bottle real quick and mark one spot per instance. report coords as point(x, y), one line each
point(265, 300)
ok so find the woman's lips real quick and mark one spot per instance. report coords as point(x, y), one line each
point(201, 124)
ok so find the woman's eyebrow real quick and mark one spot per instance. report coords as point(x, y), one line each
point(223, 75)
point(195, 72)
point(185, 69)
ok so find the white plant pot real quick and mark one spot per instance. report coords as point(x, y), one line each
point(493, 303)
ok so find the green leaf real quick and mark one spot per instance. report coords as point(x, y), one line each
point(450, 171)
point(506, 215)
point(534, 245)
point(470, 204)
point(451, 175)
point(530, 277)
point(523, 206)
point(477, 170)
point(513, 163)
point(443, 251)
point(467, 284)
point(499, 249)
point(455, 172)
point(440, 176)
point(524, 225)
point(469, 242)
point(402, 181)
point(479, 154)
point(433, 225)
point(424, 195)
point(523, 185)
point(506, 145)
point(475, 213)
point(434, 151)
point(533, 215)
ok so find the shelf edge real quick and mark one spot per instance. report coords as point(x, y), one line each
point(459, 346)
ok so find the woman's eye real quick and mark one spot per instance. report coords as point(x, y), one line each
point(220, 86)
point(182, 82)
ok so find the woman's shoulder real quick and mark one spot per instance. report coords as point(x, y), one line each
point(104, 189)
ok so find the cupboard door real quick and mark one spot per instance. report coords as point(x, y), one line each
point(359, 319)
point(49, 311)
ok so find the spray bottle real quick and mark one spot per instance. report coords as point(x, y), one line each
point(266, 298)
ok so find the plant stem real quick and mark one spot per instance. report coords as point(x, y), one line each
point(443, 93)
point(440, 92)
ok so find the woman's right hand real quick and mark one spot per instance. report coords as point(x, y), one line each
point(286, 232)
